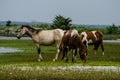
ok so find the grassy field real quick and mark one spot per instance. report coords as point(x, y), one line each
point(24, 65)
point(111, 36)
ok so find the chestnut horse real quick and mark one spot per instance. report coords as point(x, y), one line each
point(93, 37)
point(71, 40)
point(42, 37)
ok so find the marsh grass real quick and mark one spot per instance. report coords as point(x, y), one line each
point(10, 63)
point(45, 73)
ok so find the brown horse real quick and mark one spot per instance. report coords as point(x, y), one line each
point(93, 37)
point(42, 37)
point(71, 40)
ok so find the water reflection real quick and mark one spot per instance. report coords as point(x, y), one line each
point(8, 50)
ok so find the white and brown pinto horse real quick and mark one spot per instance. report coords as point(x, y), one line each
point(42, 37)
point(71, 40)
point(93, 37)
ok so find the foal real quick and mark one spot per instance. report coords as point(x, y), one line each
point(93, 37)
point(71, 40)
point(42, 37)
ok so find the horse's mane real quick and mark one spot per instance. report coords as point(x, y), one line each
point(27, 27)
point(32, 29)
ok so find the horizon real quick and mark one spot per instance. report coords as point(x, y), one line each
point(29, 22)
point(52, 22)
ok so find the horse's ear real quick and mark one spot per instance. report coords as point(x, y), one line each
point(22, 26)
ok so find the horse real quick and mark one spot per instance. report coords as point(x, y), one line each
point(71, 40)
point(42, 37)
point(93, 37)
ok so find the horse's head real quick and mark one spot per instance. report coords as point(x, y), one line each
point(83, 53)
point(21, 32)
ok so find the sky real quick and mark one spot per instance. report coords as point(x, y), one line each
point(100, 12)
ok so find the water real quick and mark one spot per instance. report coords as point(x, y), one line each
point(13, 38)
point(8, 50)
point(112, 41)
point(28, 38)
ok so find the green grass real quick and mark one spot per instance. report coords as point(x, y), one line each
point(10, 62)
point(112, 53)
point(111, 36)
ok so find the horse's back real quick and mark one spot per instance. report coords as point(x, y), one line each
point(61, 32)
point(92, 35)
point(46, 37)
point(46, 33)
point(52, 33)
point(99, 33)
point(70, 36)
point(50, 36)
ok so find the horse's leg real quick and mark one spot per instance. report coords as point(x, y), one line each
point(58, 50)
point(57, 54)
point(74, 53)
point(39, 52)
point(40, 56)
point(102, 47)
point(96, 45)
point(85, 43)
point(67, 54)
point(64, 53)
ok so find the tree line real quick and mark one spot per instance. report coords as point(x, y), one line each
point(66, 23)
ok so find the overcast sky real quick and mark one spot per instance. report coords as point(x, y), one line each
point(80, 11)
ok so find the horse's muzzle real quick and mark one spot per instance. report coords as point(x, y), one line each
point(18, 37)
point(83, 58)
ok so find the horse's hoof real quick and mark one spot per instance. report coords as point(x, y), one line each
point(84, 61)
point(103, 53)
point(39, 60)
point(54, 60)
point(74, 61)
point(66, 60)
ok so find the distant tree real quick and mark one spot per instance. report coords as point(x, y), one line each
point(61, 22)
point(8, 23)
point(112, 29)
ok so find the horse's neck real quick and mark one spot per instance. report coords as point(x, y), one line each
point(29, 33)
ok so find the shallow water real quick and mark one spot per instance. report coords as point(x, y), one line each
point(28, 38)
point(112, 41)
point(13, 38)
point(8, 50)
